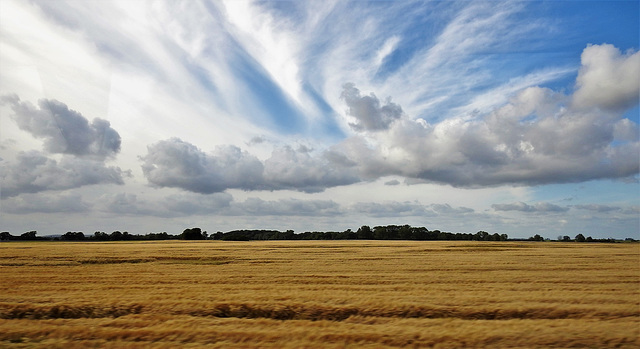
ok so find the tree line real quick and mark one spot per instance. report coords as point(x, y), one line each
point(388, 232)
point(578, 238)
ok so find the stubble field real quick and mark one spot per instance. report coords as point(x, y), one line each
point(329, 294)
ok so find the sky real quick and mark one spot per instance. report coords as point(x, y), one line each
point(516, 117)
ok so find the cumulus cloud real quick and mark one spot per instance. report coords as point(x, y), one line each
point(34, 172)
point(608, 79)
point(369, 114)
point(64, 130)
point(45, 203)
point(179, 164)
point(538, 137)
point(300, 170)
point(539, 207)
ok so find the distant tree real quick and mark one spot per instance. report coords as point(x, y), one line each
point(100, 236)
point(589, 239)
point(73, 236)
point(536, 238)
point(116, 235)
point(380, 233)
point(364, 232)
point(566, 238)
point(30, 235)
point(421, 233)
point(349, 234)
point(481, 236)
point(193, 234)
point(6, 236)
point(580, 238)
point(158, 236)
point(288, 235)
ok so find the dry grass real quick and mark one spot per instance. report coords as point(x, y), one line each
point(326, 294)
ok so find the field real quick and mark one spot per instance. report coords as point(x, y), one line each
point(329, 294)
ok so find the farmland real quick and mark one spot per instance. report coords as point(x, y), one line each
point(330, 294)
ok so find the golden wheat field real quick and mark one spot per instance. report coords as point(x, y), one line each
point(327, 294)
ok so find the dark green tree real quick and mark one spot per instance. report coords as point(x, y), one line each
point(100, 236)
point(364, 232)
point(482, 236)
point(193, 234)
point(580, 238)
point(405, 233)
point(73, 236)
point(30, 235)
point(536, 238)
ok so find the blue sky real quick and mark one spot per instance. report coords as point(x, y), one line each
point(148, 116)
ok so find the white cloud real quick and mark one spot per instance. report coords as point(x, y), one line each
point(179, 164)
point(536, 138)
point(34, 172)
point(608, 79)
point(65, 130)
point(387, 48)
point(369, 114)
point(299, 170)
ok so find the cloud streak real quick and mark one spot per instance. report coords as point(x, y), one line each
point(540, 207)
